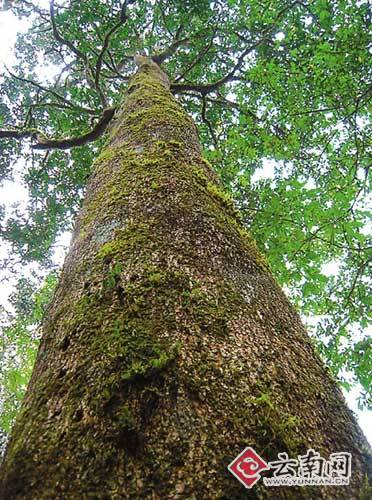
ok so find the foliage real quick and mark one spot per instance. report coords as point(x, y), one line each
point(283, 84)
point(18, 345)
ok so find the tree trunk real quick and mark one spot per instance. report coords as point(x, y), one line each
point(168, 347)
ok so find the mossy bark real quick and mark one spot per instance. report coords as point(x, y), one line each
point(168, 347)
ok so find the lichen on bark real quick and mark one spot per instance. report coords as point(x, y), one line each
point(169, 346)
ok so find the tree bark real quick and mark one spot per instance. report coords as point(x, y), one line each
point(168, 347)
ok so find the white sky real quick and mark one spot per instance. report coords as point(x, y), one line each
point(11, 192)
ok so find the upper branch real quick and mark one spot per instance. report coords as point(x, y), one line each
point(106, 41)
point(198, 58)
point(207, 121)
point(67, 102)
point(205, 88)
point(89, 72)
point(62, 40)
point(231, 75)
point(171, 49)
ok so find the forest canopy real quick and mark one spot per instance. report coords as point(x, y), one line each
point(279, 88)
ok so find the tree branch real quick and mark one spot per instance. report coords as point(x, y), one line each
point(198, 58)
point(53, 92)
point(207, 121)
point(44, 142)
point(106, 41)
point(20, 133)
point(62, 40)
point(89, 73)
point(113, 68)
point(80, 140)
point(169, 51)
point(210, 87)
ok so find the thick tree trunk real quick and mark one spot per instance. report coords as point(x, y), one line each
point(169, 347)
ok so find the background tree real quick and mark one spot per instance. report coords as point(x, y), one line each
point(285, 82)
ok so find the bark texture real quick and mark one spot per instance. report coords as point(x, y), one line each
point(169, 347)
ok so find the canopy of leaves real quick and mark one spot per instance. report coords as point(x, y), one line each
point(274, 86)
